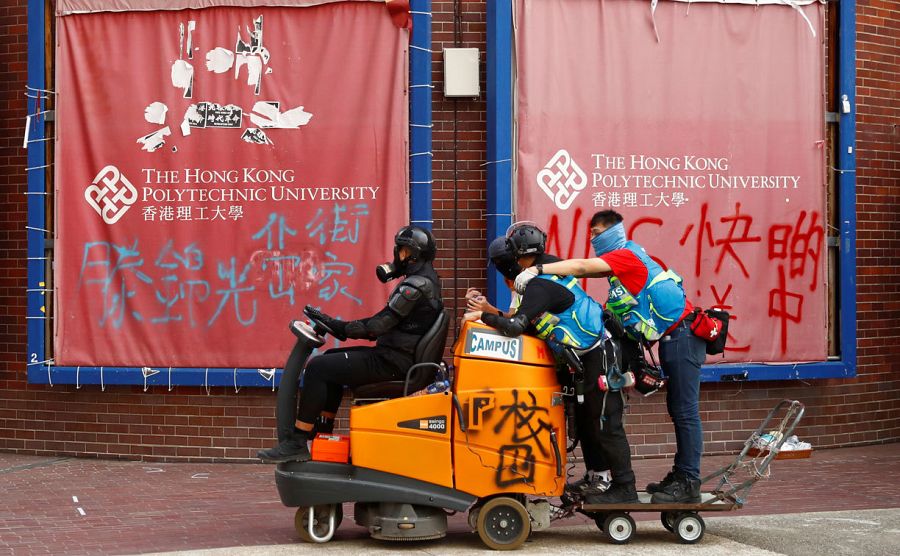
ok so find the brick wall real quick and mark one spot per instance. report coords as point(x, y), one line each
point(189, 424)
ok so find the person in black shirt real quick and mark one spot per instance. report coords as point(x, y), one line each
point(599, 418)
point(411, 309)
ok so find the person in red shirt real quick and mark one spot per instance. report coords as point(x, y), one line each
point(651, 303)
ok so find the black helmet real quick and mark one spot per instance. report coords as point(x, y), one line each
point(501, 255)
point(526, 239)
point(419, 240)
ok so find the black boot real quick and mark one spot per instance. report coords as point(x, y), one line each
point(292, 449)
point(618, 493)
point(682, 490)
point(656, 487)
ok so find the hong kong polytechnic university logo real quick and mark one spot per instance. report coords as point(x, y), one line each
point(111, 194)
point(562, 179)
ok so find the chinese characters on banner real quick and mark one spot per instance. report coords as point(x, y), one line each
point(710, 142)
point(218, 169)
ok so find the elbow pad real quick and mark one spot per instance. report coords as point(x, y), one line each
point(514, 326)
point(405, 296)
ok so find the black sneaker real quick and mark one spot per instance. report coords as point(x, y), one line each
point(618, 493)
point(292, 449)
point(682, 490)
point(592, 482)
point(656, 487)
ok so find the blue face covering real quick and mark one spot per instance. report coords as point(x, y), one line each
point(611, 239)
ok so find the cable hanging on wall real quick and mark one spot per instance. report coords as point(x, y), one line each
point(489, 162)
point(147, 372)
point(40, 97)
point(268, 375)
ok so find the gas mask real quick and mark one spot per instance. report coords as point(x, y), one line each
point(392, 270)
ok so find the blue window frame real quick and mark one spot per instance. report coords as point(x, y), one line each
point(39, 366)
point(499, 194)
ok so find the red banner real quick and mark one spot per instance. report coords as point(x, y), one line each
point(216, 170)
point(709, 140)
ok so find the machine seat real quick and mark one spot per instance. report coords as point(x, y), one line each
point(428, 350)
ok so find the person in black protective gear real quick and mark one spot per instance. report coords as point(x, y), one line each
point(505, 262)
point(411, 309)
point(599, 418)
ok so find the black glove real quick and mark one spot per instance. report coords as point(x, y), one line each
point(337, 327)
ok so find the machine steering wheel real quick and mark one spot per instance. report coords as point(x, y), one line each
point(316, 318)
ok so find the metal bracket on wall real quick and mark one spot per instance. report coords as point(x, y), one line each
point(832, 117)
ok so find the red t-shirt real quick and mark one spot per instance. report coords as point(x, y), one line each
point(629, 269)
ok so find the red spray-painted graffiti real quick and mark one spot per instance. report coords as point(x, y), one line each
point(736, 262)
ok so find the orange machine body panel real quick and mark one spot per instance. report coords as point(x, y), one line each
point(408, 436)
point(509, 392)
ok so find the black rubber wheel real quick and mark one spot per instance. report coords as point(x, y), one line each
point(619, 527)
point(600, 519)
point(503, 523)
point(320, 521)
point(668, 520)
point(689, 528)
point(473, 517)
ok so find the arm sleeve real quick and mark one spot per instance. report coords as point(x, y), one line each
point(374, 326)
point(514, 326)
point(540, 295)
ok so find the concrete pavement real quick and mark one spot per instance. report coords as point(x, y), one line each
point(84, 506)
point(865, 532)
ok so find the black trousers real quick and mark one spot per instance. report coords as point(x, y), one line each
point(601, 428)
point(327, 374)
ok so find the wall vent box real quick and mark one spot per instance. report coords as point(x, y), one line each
point(461, 72)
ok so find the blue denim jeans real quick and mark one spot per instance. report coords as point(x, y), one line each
point(681, 354)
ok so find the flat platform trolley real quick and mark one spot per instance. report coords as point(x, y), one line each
point(732, 487)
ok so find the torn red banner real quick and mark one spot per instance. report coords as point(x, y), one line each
point(209, 186)
point(68, 7)
point(399, 10)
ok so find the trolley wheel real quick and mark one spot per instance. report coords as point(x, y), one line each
point(689, 527)
point(503, 523)
point(320, 522)
point(619, 527)
point(668, 520)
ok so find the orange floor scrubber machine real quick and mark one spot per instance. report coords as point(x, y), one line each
point(492, 444)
